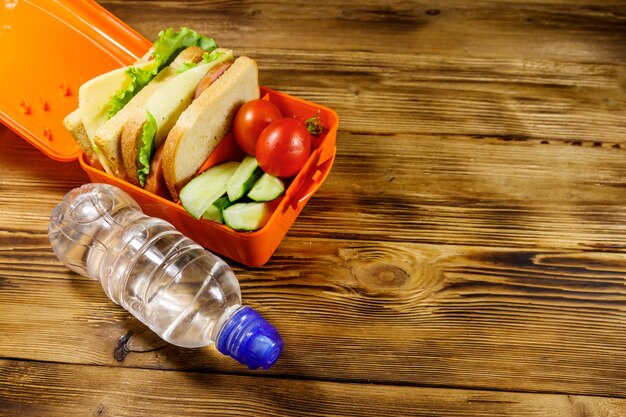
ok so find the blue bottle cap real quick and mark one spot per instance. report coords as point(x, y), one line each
point(251, 340)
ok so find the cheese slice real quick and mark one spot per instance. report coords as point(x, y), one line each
point(95, 95)
point(175, 95)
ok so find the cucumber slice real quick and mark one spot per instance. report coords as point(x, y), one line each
point(267, 188)
point(222, 202)
point(214, 212)
point(244, 178)
point(198, 195)
point(247, 216)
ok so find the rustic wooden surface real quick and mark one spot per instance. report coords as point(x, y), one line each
point(466, 256)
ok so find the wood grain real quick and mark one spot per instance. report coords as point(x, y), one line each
point(556, 29)
point(416, 315)
point(483, 192)
point(468, 242)
point(541, 71)
point(356, 304)
point(46, 389)
point(459, 190)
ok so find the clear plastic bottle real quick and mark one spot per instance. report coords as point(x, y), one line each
point(185, 294)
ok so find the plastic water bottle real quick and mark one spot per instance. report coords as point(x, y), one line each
point(185, 294)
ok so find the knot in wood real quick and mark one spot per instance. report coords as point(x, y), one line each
point(380, 278)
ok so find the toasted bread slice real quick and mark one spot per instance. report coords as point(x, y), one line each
point(131, 135)
point(108, 136)
point(201, 127)
point(74, 124)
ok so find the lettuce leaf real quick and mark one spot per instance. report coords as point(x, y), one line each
point(171, 42)
point(212, 56)
point(146, 148)
point(138, 80)
point(165, 49)
point(186, 66)
point(206, 58)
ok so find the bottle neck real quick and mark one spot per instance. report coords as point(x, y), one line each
point(219, 326)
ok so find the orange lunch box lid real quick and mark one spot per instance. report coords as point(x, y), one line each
point(49, 48)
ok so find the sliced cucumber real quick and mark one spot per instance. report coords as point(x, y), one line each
point(214, 212)
point(244, 178)
point(247, 216)
point(198, 195)
point(267, 188)
point(222, 202)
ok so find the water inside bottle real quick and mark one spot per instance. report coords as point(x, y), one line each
point(163, 278)
point(178, 288)
point(185, 294)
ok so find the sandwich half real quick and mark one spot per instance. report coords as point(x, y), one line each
point(103, 97)
point(108, 136)
point(165, 142)
point(148, 125)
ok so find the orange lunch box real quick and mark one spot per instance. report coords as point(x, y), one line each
point(50, 47)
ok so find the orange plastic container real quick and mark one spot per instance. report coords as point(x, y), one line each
point(50, 47)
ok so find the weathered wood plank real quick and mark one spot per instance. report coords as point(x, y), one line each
point(412, 188)
point(416, 314)
point(494, 69)
point(46, 389)
point(407, 100)
point(461, 190)
point(559, 30)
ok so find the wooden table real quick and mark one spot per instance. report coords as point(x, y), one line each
point(466, 256)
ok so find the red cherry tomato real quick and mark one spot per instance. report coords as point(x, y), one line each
point(251, 119)
point(283, 147)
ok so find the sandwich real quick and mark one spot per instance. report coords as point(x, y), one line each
point(155, 122)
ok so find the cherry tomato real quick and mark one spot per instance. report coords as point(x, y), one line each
point(251, 119)
point(283, 147)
